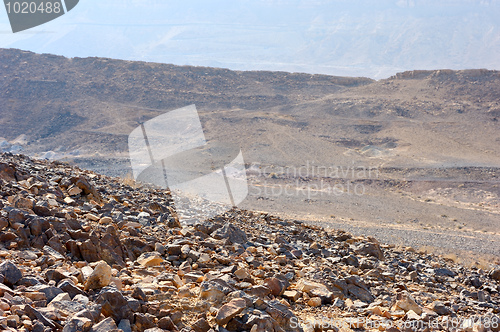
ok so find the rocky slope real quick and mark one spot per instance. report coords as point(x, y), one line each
point(85, 252)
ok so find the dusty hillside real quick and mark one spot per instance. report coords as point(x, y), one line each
point(92, 104)
point(85, 252)
point(431, 137)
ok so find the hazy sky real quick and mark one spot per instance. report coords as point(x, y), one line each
point(374, 38)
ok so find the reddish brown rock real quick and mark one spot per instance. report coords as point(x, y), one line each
point(230, 310)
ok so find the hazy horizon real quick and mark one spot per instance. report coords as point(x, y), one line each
point(340, 38)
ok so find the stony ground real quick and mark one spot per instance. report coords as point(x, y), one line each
point(85, 252)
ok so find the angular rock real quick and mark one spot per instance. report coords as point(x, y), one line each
point(10, 272)
point(315, 289)
point(74, 190)
point(166, 323)
point(61, 297)
point(351, 260)
point(323, 293)
point(231, 233)
point(259, 291)
point(5, 289)
point(92, 312)
point(69, 287)
point(36, 315)
point(439, 308)
point(105, 325)
point(82, 183)
point(444, 272)
point(78, 324)
point(124, 325)
point(169, 219)
point(7, 172)
point(89, 251)
point(214, 290)
point(360, 293)
point(152, 258)
point(204, 258)
point(230, 310)
point(276, 286)
point(139, 294)
point(50, 291)
point(495, 274)
point(201, 325)
point(3, 223)
point(406, 302)
point(283, 316)
point(55, 274)
point(100, 277)
point(291, 295)
point(114, 304)
point(242, 274)
point(47, 250)
point(17, 216)
point(314, 301)
point(369, 248)
point(68, 308)
point(143, 321)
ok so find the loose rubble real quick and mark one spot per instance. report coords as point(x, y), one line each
point(85, 252)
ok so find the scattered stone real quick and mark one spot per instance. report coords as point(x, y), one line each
point(139, 294)
point(166, 323)
point(69, 287)
point(406, 302)
point(82, 252)
point(444, 272)
point(114, 304)
point(314, 301)
point(150, 259)
point(242, 274)
point(100, 277)
point(276, 286)
point(7, 172)
point(201, 325)
point(74, 190)
point(214, 290)
point(439, 308)
point(125, 326)
point(369, 248)
point(78, 324)
point(11, 273)
point(495, 274)
point(231, 233)
point(105, 325)
point(143, 322)
point(292, 295)
point(230, 310)
point(50, 291)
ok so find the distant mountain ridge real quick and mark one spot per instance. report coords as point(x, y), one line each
point(90, 105)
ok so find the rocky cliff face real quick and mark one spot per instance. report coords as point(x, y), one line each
point(85, 252)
